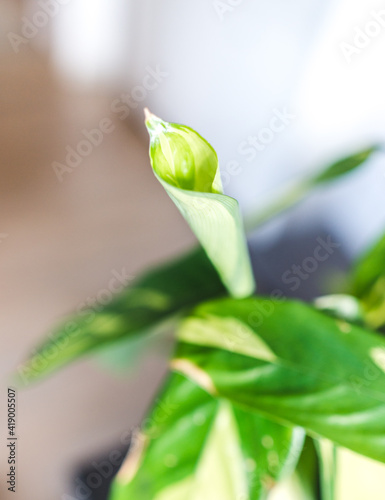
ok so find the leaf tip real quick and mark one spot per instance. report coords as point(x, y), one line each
point(147, 115)
point(154, 124)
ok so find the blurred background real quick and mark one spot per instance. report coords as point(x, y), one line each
point(73, 214)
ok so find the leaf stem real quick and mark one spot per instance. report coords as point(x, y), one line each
point(290, 197)
point(327, 453)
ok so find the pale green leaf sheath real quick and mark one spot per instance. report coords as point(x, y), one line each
point(187, 167)
point(327, 453)
point(195, 447)
point(292, 363)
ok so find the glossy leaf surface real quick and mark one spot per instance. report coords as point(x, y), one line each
point(292, 363)
point(195, 447)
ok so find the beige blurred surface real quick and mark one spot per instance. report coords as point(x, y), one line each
point(63, 241)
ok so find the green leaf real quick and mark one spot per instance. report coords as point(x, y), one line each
point(195, 447)
point(187, 167)
point(368, 283)
point(305, 477)
point(303, 483)
point(124, 356)
point(344, 166)
point(292, 363)
point(341, 306)
point(154, 298)
point(291, 196)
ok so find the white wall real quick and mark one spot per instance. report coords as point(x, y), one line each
point(229, 73)
point(342, 108)
point(91, 42)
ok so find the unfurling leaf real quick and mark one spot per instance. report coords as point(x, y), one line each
point(181, 157)
point(187, 167)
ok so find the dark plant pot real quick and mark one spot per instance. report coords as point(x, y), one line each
point(92, 480)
